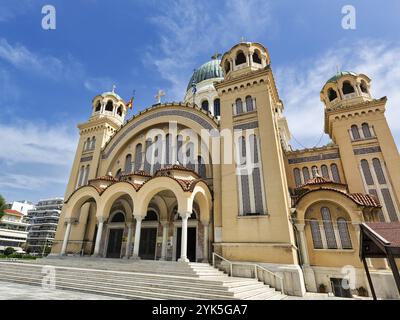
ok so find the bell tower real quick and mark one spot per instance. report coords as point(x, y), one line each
point(108, 114)
point(356, 122)
point(252, 111)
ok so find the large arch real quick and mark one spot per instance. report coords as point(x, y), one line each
point(78, 199)
point(202, 195)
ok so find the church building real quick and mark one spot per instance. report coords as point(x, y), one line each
point(215, 173)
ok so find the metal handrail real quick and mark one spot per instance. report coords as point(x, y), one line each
point(256, 266)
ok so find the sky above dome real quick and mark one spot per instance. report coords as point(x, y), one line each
point(49, 77)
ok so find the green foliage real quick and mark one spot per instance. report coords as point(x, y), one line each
point(3, 206)
point(8, 251)
point(18, 256)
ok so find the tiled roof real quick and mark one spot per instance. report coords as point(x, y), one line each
point(319, 180)
point(105, 178)
point(177, 167)
point(388, 231)
point(13, 212)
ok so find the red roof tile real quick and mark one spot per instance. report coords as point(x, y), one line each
point(388, 231)
point(13, 212)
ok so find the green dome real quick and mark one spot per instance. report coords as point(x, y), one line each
point(341, 74)
point(209, 70)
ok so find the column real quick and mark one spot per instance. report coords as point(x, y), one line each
point(303, 244)
point(138, 229)
point(98, 236)
point(129, 241)
point(66, 237)
point(205, 244)
point(164, 240)
point(185, 217)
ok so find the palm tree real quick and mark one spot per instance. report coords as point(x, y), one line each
point(3, 206)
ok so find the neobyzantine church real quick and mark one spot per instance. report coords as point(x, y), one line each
point(296, 212)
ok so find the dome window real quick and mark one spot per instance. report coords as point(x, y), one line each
point(347, 88)
point(217, 107)
point(204, 105)
point(256, 57)
point(363, 87)
point(118, 217)
point(332, 95)
point(109, 106)
point(240, 58)
point(227, 66)
point(98, 107)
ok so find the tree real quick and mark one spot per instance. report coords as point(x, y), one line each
point(8, 251)
point(3, 206)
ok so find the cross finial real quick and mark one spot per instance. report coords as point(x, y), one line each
point(159, 95)
point(337, 69)
point(242, 39)
point(113, 88)
point(215, 56)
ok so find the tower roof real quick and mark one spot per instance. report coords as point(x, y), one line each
point(340, 74)
point(209, 70)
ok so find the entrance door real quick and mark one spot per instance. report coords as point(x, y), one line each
point(191, 243)
point(147, 247)
point(337, 287)
point(114, 243)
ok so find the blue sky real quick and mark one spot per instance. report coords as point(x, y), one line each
point(48, 77)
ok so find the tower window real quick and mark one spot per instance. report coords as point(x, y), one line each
point(256, 57)
point(332, 95)
point(217, 107)
point(227, 66)
point(109, 106)
point(249, 103)
point(347, 88)
point(119, 111)
point(239, 106)
point(204, 105)
point(240, 58)
point(366, 130)
point(306, 174)
point(363, 87)
point(98, 107)
point(355, 132)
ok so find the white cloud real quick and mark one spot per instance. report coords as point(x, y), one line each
point(98, 84)
point(37, 143)
point(187, 31)
point(300, 84)
point(11, 8)
point(28, 182)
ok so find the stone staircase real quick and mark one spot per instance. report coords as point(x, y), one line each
point(128, 279)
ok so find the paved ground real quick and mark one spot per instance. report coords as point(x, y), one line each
point(16, 291)
point(322, 296)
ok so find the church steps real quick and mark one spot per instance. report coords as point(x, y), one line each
point(134, 285)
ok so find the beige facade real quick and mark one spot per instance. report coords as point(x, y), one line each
point(178, 182)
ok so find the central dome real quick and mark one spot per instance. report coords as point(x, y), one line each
point(209, 70)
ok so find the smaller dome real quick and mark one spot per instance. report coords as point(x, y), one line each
point(111, 93)
point(340, 74)
point(209, 70)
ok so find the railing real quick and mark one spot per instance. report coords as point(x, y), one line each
point(255, 266)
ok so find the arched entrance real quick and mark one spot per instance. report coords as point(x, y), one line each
point(148, 236)
point(115, 235)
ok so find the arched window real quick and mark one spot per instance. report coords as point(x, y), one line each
point(98, 107)
point(93, 143)
point(328, 228)
point(344, 234)
point(355, 132)
point(227, 66)
point(240, 58)
point(379, 171)
point(147, 157)
point(168, 153)
point(366, 131)
point(316, 234)
point(242, 150)
point(367, 172)
point(256, 57)
point(391, 210)
point(314, 171)
point(306, 174)
point(87, 145)
point(249, 103)
point(118, 217)
point(202, 167)
point(324, 171)
point(157, 153)
point(179, 151)
point(190, 162)
point(332, 95)
point(138, 157)
point(217, 107)
point(119, 111)
point(239, 106)
point(253, 149)
point(85, 180)
point(347, 87)
point(128, 164)
point(335, 173)
point(109, 106)
point(118, 174)
point(297, 177)
point(363, 87)
point(151, 216)
point(80, 177)
point(204, 105)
